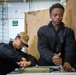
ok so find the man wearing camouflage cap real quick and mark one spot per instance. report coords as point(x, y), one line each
point(12, 57)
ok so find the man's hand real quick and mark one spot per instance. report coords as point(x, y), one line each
point(57, 60)
point(24, 62)
point(67, 67)
point(23, 59)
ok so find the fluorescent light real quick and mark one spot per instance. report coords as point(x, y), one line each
point(63, 2)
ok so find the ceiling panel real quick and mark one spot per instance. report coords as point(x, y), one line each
point(22, 0)
point(11, 0)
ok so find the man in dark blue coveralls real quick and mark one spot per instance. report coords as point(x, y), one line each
point(12, 57)
point(56, 42)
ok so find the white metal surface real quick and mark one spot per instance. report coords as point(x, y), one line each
point(41, 70)
point(68, 73)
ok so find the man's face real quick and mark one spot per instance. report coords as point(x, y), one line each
point(57, 16)
point(18, 43)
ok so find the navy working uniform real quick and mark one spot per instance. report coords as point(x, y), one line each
point(9, 56)
point(51, 42)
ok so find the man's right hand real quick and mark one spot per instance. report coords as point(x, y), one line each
point(23, 59)
point(57, 60)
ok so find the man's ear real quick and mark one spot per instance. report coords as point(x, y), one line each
point(50, 15)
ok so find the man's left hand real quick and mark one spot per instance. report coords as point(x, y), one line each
point(67, 67)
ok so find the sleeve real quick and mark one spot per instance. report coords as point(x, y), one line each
point(9, 54)
point(29, 57)
point(43, 46)
point(69, 47)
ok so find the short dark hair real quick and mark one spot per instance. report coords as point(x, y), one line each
point(57, 5)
